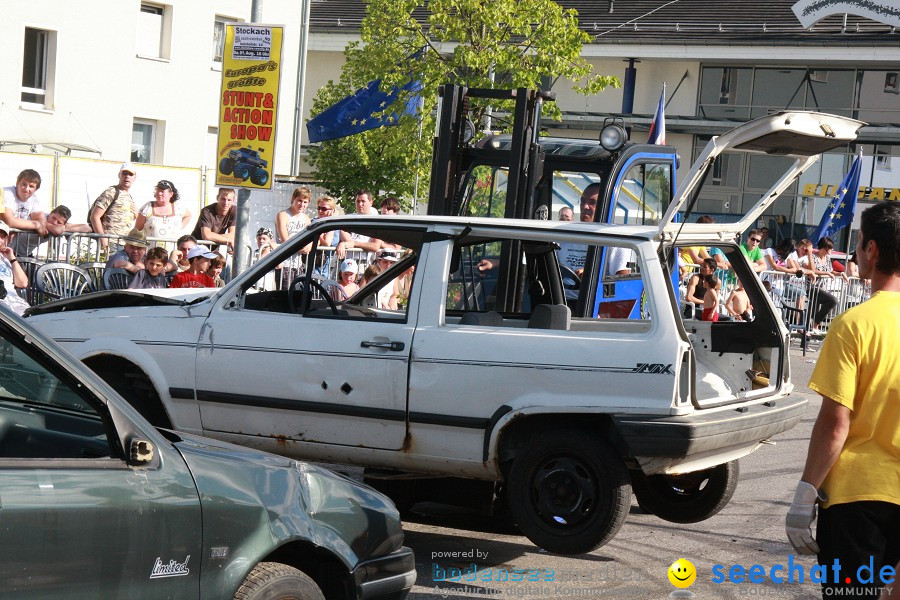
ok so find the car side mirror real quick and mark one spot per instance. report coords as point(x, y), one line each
point(141, 451)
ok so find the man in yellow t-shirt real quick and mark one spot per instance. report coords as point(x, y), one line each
point(853, 464)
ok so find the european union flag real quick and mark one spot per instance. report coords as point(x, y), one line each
point(355, 114)
point(840, 210)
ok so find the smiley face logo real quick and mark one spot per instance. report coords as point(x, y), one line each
point(682, 573)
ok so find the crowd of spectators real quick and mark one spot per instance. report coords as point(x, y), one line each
point(141, 230)
point(191, 265)
point(794, 270)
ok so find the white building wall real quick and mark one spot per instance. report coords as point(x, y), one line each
point(100, 84)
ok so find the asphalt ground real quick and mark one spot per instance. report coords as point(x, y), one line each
point(463, 555)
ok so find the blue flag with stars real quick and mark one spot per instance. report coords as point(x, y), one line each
point(356, 113)
point(839, 212)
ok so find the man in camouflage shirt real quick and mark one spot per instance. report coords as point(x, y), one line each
point(114, 210)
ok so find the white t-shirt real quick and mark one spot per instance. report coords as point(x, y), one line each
point(20, 209)
point(618, 260)
point(572, 255)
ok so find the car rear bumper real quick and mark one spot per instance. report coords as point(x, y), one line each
point(387, 577)
point(705, 432)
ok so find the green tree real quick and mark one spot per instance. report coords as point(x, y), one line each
point(477, 43)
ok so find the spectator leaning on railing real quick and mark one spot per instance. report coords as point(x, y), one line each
point(131, 257)
point(20, 206)
point(752, 251)
point(26, 243)
point(823, 301)
point(216, 222)
point(179, 255)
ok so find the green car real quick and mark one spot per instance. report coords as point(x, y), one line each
point(96, 503)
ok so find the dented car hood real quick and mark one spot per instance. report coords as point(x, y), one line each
point(126, 298)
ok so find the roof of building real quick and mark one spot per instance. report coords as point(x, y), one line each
point(683, 22)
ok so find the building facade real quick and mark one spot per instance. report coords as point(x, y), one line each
point(140, 80)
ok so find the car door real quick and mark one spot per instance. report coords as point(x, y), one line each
point(474, 363)
point(77, 520)
point(270, 373)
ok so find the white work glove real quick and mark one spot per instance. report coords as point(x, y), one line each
point(800, 518)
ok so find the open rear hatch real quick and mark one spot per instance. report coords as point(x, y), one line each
point(801, 135)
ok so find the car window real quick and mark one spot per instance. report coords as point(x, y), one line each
point(643, 195)
point(709, 287)
point(486, 191)
point(41, 414)
point(518, 283)
point(356, 272)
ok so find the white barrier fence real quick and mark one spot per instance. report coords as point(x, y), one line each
point(821, 300)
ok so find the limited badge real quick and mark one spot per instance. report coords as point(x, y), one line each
point(173, 568)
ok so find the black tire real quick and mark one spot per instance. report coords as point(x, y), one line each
point(275, 581)
point(226, 165)
point(568, 492)
point(242, 171)
point(688, 498)
point(259, 176)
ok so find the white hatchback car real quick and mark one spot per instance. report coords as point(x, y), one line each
point(492, 372)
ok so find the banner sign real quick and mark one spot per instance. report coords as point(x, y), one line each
point(865, 193)
point(882, 11)
point(248, 105)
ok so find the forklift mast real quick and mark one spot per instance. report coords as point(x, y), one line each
point(453, 156)
point(530, 174)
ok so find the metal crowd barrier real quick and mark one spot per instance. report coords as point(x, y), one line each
point(795, 292)
point(81, 249)
point(802, 294)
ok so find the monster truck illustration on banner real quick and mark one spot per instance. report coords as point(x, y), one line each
point(248, 109)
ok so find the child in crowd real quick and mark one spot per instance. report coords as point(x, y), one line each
point(371, 272)
point(153, 275)
point(738, 304)
point(195, 276)
point(215, 269)
point(265, 243)
point(346, 280)
point(711, 298)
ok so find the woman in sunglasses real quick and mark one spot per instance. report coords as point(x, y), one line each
point(163, 219)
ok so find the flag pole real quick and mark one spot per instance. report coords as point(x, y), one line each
point(850, 229)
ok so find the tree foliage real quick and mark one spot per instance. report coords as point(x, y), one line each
point(477, 43)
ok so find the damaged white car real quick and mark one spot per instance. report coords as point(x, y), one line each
point(496, 378)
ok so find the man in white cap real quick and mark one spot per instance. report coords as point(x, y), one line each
point(11, 274)
point(114, 211)
point(195, 276)
point(131, 257)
